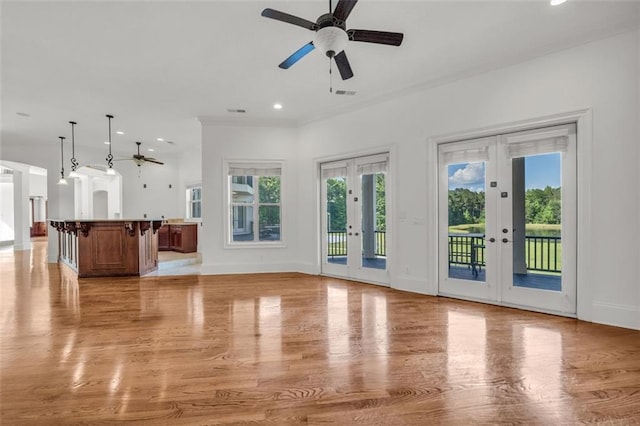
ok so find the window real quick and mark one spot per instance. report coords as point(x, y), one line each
point(254, 202)
point(194, 202)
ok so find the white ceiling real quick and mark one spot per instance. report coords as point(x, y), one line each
point(158, 65)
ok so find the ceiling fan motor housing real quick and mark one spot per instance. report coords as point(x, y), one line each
point(331, 36)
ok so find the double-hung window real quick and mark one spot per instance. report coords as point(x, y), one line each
point(194, 202)
point(255, 210)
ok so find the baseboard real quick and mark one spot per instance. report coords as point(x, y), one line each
point(617, 315)
point(411, 284)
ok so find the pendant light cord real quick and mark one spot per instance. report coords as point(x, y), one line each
point(109, 157)
point(62, 138)
point(330, 77)
point(74, 162)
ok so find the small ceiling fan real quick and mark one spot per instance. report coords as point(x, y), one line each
point(332, 35)
point(140, 159)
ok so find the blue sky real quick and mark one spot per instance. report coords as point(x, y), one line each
point(540, 171)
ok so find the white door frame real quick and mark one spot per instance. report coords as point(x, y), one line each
point(353, 269)
point(583, 119)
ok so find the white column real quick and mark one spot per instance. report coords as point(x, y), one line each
point(21, 220)
point(368, 216)
point(519, 219)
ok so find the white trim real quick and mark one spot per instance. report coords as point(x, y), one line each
point(389, 152)
point(584, 122)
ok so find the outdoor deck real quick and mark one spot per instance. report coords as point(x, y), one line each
point(530, 280)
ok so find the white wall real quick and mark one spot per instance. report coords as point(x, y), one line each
point(222, 142)
point(602, 76)
point(157, 199)
point(6, 209)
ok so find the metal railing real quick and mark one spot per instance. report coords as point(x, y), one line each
point(337, 243)
point(542, 253)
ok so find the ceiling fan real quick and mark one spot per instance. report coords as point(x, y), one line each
point(140, 159)
point(332, 35)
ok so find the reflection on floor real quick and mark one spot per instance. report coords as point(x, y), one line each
point(530, 280)
point(376, 263)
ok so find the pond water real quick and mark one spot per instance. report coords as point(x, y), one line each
point(533, 232)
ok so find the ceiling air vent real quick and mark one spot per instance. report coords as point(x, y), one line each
point(345, 92)
point(237, 110)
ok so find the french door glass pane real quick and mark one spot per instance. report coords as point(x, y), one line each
point(466, 225)
point(537, 221)
point(373, 221)
point(336, 190)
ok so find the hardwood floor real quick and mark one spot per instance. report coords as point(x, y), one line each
point(284, 349)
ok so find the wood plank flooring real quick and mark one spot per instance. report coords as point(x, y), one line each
point(289, 349)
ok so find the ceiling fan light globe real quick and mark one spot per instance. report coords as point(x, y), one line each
point(331, 40)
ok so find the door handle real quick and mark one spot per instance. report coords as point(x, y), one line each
point(350, 233)
point(492, 240)
point(504, 240)
point(356, 234)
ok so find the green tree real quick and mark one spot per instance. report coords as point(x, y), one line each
point(337, 204)
point(269, 192)
point(466, 206)
point(381, 203)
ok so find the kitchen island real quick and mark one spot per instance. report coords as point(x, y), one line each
point(108, 247)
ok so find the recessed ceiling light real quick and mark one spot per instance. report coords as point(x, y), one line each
point(107, 143)
point(277, 106)
point(150, 149)
point(160, 140)
point(557, 2)
point(120, 132)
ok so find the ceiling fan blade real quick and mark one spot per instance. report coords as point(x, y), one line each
point(290, 19)
point(343, 9)
point(343, 65)
point(380, 37)
point(153, 160)
point(297, 55)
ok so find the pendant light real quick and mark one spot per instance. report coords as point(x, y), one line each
point(74, 162)
point(62, 180)
point(109, 158)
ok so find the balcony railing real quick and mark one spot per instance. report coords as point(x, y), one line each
point(337, 243)
point(542, 253)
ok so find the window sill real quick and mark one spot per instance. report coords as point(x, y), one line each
point(255, 245)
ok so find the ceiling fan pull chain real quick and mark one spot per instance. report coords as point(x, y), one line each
point(330, 78)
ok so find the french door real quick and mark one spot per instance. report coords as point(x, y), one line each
point(354, 218)
point(507, 219)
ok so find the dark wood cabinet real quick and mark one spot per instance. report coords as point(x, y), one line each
point(163, 238)
point(108, 248)
point(182, 237)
